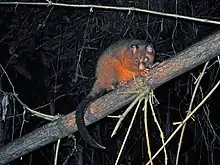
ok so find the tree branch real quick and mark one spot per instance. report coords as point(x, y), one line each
point(195, 55)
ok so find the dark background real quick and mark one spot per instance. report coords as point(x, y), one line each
point(41, 46)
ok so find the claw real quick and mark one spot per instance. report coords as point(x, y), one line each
point(145, 72)
point(123, 83)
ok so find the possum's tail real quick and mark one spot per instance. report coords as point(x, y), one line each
point(80, 110)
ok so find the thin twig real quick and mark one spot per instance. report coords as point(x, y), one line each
point(190, 108)
point(38, 114)
point(151, 96)
point(186, 119)
point(129, 9)
point(121, 117)
point(129, 129)
point(146, 130)
point(57, 151)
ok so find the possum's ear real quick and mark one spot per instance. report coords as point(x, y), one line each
point(133, 48)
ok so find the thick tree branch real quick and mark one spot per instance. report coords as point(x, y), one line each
point(109, 103)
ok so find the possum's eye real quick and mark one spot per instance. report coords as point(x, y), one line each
point(146, 59)
point(136, 61)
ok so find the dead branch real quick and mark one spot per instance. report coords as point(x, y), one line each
point(195, 55)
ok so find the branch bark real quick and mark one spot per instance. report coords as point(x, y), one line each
point(193, 56)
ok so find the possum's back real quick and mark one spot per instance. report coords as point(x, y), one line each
point(114, 48)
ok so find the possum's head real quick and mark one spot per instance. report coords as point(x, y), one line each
point(140, 55)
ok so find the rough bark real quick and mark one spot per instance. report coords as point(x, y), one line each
point(109, 103)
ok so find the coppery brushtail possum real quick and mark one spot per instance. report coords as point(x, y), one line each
point(117, 64)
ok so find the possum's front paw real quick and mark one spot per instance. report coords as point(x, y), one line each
point(145, 72)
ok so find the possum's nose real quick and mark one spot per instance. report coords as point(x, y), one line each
point(141, 66)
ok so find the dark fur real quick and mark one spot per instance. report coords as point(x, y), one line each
point(80, 121)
